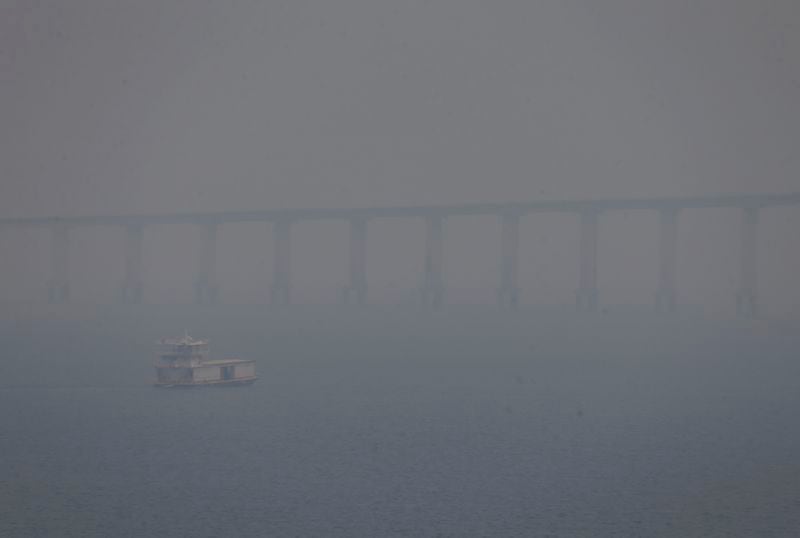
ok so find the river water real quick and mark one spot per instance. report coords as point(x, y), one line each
point(434, 427)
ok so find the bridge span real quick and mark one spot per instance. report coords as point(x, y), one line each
point(588, 213)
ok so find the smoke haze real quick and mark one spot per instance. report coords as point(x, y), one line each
point(390, 418)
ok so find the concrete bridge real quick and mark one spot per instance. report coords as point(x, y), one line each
point(432, 289)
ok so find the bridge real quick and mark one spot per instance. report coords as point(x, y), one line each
point(588, 212)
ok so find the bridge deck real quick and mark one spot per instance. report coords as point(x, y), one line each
point(520, 208)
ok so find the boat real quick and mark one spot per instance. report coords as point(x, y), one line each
point(184, 362)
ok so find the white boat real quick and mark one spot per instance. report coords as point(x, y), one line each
point(184, 362)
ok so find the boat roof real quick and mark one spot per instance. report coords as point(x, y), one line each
point(214, 363)
point(224, 362)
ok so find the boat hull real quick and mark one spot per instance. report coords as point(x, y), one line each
point(241, 382)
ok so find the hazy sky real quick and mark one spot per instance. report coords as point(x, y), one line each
point(153, 105)
point(146, 105)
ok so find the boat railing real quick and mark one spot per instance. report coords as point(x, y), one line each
point(183, 350)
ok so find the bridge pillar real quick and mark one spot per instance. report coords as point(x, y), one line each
point(668, 257)
point(58, 287)
point(586, 297)
point(356, 291)
point(433, 283)
point(205, 287)
point(132, 286)
point(281, 285)
point(747, 298)
point(508, 293)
